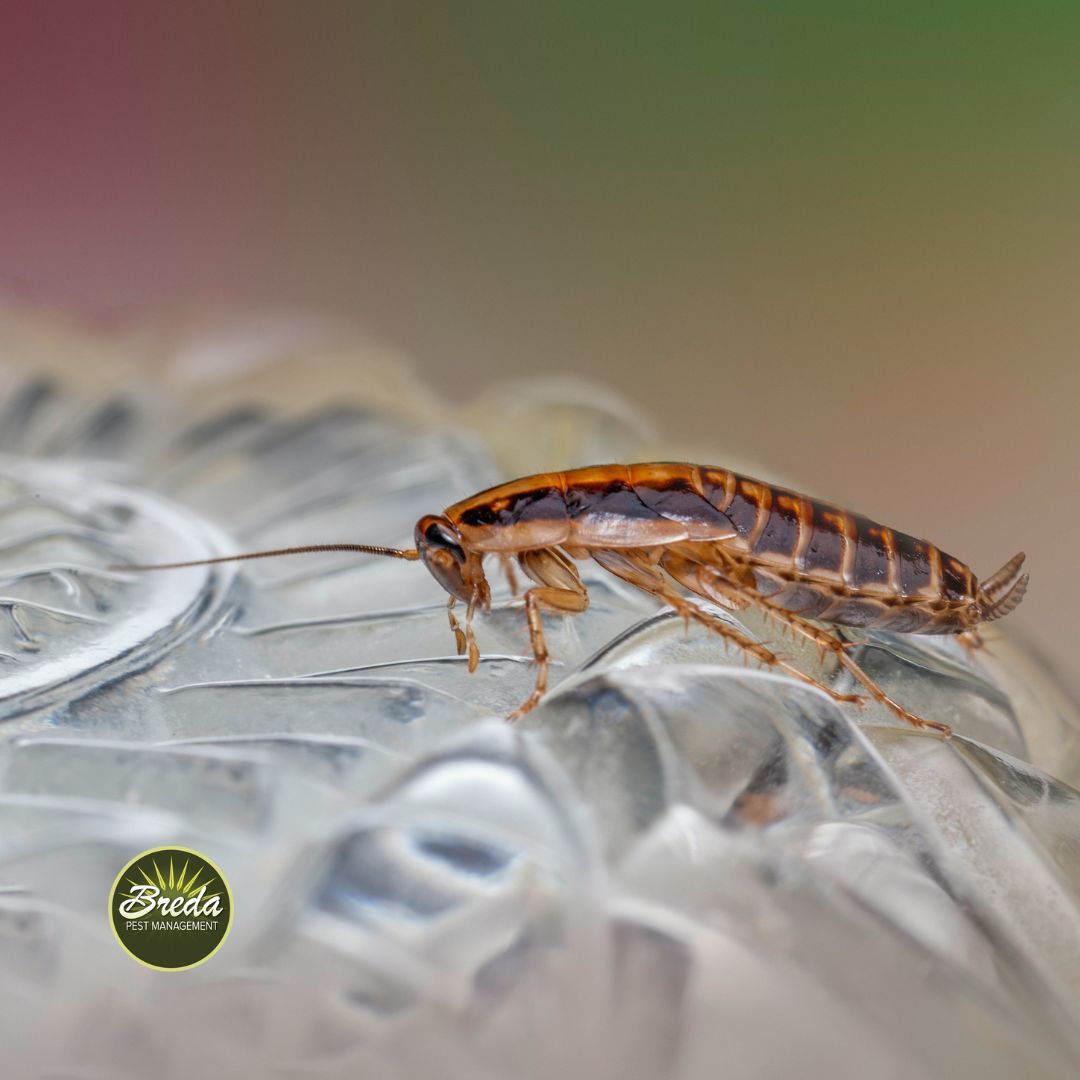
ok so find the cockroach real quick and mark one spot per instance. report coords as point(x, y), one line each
point(726, 538)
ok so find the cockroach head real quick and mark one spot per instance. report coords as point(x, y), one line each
point(439, 545)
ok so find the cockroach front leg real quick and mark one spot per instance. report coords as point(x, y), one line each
point(560, 592)
point(459, 634)
point(470, 634)
point(464, 639)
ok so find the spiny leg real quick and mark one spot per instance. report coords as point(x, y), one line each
point(559, 591)
point(761, 652)
point(840, 649)
point(635, 568)
point(827, 641)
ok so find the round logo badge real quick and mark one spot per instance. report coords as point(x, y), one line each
point(170, 908)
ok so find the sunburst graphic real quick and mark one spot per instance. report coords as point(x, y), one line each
point(174, 885)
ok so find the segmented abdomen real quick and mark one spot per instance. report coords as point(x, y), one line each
point(831, 564)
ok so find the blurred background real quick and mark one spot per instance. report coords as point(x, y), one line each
point(838, 240)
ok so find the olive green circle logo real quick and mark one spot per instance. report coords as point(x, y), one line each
point(170, 908)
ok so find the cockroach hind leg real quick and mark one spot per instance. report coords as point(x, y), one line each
point(633, 569)
point(935, 726)
point(920, 722)
point(823, 638)
point(526, 706)
point(766, 656)
point(879, 695)
point(836, 695)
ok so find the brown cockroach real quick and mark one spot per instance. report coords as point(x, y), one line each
point(726, 538)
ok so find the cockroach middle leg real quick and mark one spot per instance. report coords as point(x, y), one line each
point(557, 601)
point(507, 565)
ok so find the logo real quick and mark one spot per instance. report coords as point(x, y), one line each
point(170, 908)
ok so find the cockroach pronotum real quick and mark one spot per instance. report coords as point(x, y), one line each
point(726, 538)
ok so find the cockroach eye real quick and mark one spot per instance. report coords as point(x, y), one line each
point(437, 533)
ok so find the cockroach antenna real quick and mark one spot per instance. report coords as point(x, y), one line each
point(409, 554)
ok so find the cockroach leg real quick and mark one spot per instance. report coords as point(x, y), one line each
point(827, 641)
point(628, 564)
point(559, 591)
point(557, 601)
point(507, 565)
point(459, 635)
point(470, 634)
point(708, 581)
point(767, 656)
point(465, 639)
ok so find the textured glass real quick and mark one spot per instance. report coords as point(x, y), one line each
point(676, 867)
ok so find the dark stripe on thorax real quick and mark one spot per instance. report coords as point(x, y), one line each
point(516, 508)
point(615, 498)
point(675, 493)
